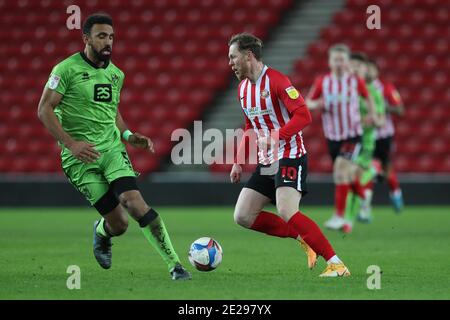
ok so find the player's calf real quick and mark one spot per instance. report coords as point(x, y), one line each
point(114, 223)
point(116, 227)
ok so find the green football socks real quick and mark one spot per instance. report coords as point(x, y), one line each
point(155, 232)
point(353, 201)
point(352, 207)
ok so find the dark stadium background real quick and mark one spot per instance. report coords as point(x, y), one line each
point(174, 55)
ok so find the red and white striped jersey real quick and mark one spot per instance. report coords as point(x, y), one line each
point(268, 105)
point(393, 99)
point(341, 118)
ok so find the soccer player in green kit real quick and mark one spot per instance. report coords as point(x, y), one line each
point(360, 65)
point(79, 106)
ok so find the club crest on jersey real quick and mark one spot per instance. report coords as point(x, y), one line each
point(265, 94)
point(53, 81)
point(292, 92)
point(114, 78)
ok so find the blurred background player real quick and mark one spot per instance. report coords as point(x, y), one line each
point(337, 95)
point(79, 106)
point(385, 137)
point(359, 64)
point(277, 113)
point(384, 145)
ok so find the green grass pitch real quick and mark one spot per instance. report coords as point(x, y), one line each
point(37, 246)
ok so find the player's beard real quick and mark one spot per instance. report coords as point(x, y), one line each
point(101, 56)
point(241, 73)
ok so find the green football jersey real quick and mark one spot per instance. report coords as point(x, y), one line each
point(88, 108)
point(370, 131)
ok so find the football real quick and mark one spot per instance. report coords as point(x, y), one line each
point(205, 254)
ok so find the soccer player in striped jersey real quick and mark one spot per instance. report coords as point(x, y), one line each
point(337, 94)
point(359, 63)
point(385, 137)
point(276, 112)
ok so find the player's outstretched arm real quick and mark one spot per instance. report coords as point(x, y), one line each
point(81, 150)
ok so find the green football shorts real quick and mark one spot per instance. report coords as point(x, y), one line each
point(93, 179)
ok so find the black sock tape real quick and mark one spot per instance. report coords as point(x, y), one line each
point(147, 218)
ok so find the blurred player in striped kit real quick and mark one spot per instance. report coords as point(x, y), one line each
point(385, 139)
point(337, 94)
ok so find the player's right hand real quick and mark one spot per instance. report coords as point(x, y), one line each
point(236, 172)
point(84, 151)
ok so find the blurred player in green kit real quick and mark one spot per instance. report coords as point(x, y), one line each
point(362, 66)
point(79, 106)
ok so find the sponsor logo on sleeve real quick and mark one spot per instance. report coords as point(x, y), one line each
point(53, 81)
point(292, 92)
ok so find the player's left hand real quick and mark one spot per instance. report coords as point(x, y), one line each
point(142, 142)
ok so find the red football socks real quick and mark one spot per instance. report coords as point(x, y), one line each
point(273, 225)
point(358, 189)
point(310, 232)
point(394, 185)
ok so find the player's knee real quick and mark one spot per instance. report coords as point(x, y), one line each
point(340, 174)
point(131, 200)
point(286, 210)
point(242, 219)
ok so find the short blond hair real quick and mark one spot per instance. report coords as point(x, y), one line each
point(339, 47)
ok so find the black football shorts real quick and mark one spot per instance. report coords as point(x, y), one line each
point(284, 173)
